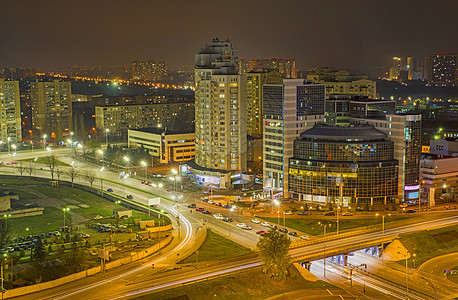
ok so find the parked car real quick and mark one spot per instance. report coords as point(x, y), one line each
point(83, 235)
point(98, 217)
point(227, 219)
point(410, 211)
point(110, 190)
point(247, 227)
point(403, 205)
point(260, 232)
point(330, 213)
point(284, 230)
point(206, 212)
point(305, 237)
point(240, 225)
point(273, 226)
point(265, 224)
point(303, 213)
point(288, 212)
point(129, 196)
point(210, 202)
point(169, 189)
point(200, 209)
point(347, 214)
point(205, 199)
point(256, 221)
point(192, 205)
point(292, 233)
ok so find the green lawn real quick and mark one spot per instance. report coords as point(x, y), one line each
point(216, 247)
point(250, 284)
point(44, 161)
point(312, 227)
point(430, 243)
point(51, 219)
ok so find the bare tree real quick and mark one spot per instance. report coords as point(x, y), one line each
point(51, 164)
point(59, 172)
point(4, 232)
point(30, 166)
point(73, 173)
point(21, 167)
point(90, 177)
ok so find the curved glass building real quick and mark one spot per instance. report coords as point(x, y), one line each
point(343, 165)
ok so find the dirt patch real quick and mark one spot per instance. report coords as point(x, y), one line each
point(445, 237)
point(72, 201)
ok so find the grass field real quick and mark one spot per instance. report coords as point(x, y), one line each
point(216, 247)
point(44, 161)
point(251, 284)
point(312, 227)
point(85, 204)
point(431, 243)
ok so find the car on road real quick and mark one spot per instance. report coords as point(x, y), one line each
point(110, 190)
point(192, 205)
point(169, 189)
point(129, 196)
point(273, 226)
point(83, 235)
point(410, 211)
point(265, 224)
point(288, 212)
point(218, 216)
point(403, 205)
point(260, 232)
point(210, 202)
point(200, 209)
point(303, 213)
point(292, 233)
point(305, 237)
point(227, 219)
point(284, 230)
point(347, 214)
point(247, 227)
point(206, 212)
point(256, 221)
point(98, 217)
point(205, 199)
point(330, 213)
point(240, 225)
point(142, 182)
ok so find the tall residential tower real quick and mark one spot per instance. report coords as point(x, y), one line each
point(10, 113)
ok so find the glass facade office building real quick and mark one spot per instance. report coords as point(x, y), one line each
point(360, 157)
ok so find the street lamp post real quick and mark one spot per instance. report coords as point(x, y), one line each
point(101, 179)
point(117, 214)
point(44, 141)
point(383, 221)
point(9, 151)
point(146, 168)
point(276, 202)
point(6, 220)
point(127, 163)
point(65, 209)
point(407, 279)
point(431, 284)
point(324, 246)
point(106, 135)
point(229, 221)
point(101, 153)
point(3, 261)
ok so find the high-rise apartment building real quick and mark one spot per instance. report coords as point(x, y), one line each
point(343, 82)
point(286, 67)
point(149, 70)
point(221, 138)
point(288, 109)
point(10, 112)
point(51, 107)
point(443, 69)
point(396, 68)
point(255, 81)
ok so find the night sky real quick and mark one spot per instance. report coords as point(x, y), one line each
point(343, 33)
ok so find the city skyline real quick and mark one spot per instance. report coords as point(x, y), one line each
point(345, 35)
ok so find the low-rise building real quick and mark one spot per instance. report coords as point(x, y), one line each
point(165, 145)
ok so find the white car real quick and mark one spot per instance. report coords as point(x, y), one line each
point(241, 225)
point(218, 216)
point(347, 214)
point(288, 212)
point(305, 237)
point(247, 227)
point(272, 226)
point(210, 202)
point(265, 224)
point(256, 221)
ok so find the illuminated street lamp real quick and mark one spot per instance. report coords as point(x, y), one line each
point(44, 141)
point(276, 202)
point(324, 246)
point(146, 168)
point(106, 135)
point(6, 219)
point(101, 153)
point(9, 139)
point(383, 220)
point(127, 162)
point(65, 209)
point(14, 147)
point(229, 221)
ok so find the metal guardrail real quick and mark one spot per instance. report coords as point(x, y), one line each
point(340, 250)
